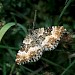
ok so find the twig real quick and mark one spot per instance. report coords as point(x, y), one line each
point(34, 19)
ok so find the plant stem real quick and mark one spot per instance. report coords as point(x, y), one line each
point(64, 9)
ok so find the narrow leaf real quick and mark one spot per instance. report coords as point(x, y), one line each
point(4, 29)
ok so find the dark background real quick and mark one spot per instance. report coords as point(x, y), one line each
point(48, 14)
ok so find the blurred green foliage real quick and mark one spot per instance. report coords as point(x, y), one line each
point(61, 61)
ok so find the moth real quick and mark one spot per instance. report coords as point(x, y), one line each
point(38, 41)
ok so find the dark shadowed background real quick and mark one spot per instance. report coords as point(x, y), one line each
point(32, 14)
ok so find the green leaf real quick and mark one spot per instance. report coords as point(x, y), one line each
point(67, 69)
point(5, 28)
point(4, 69)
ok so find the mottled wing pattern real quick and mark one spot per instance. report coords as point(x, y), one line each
point(42, 39)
